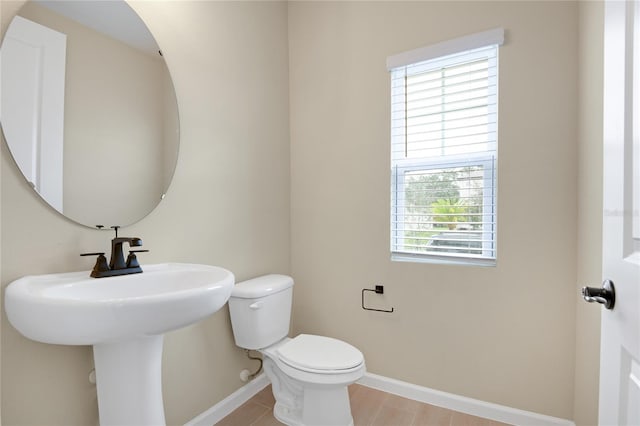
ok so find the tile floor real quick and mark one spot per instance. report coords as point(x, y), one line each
point(369, 407)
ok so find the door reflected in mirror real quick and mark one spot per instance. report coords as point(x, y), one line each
point(88, 109)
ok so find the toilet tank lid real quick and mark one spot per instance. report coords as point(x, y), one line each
point(262, 286)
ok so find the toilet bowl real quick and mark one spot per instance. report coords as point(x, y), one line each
point(309, 374)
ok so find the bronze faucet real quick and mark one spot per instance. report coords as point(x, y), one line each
point(117, 265)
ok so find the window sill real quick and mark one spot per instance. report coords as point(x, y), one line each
point(441, 260)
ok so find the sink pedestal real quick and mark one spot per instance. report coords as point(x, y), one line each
point(129, 381)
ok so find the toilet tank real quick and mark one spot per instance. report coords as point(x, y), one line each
point(260, 310)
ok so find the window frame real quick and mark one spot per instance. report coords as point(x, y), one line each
point(467, 48)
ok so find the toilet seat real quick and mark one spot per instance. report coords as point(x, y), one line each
point(320, 354)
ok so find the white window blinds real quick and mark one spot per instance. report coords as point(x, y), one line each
point(444, 116)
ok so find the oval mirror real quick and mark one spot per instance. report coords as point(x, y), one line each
point(88, 109)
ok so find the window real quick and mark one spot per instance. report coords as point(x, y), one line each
point(444, 115)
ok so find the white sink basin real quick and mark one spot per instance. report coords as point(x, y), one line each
point(124, 318)
point(75, 309)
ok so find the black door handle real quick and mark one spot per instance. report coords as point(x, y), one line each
point(605, 295)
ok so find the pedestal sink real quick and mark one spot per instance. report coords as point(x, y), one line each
point(124, 318)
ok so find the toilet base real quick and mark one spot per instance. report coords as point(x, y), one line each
point(308, 404)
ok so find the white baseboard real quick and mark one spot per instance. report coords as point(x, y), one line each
point(462, 404)
point(459, 403)
point(225, 407)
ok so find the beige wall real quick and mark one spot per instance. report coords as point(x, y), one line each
point(228, 205)
point(589, 211)
point(502, 334)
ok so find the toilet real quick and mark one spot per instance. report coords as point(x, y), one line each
point(309, 374)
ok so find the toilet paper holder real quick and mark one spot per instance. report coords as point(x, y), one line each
point(378, 290)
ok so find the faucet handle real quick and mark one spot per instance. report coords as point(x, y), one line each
point(101, 262)
point(116, 227)
point(132, 259)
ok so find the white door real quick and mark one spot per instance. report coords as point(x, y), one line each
point(620, 341)
point(32, 71)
